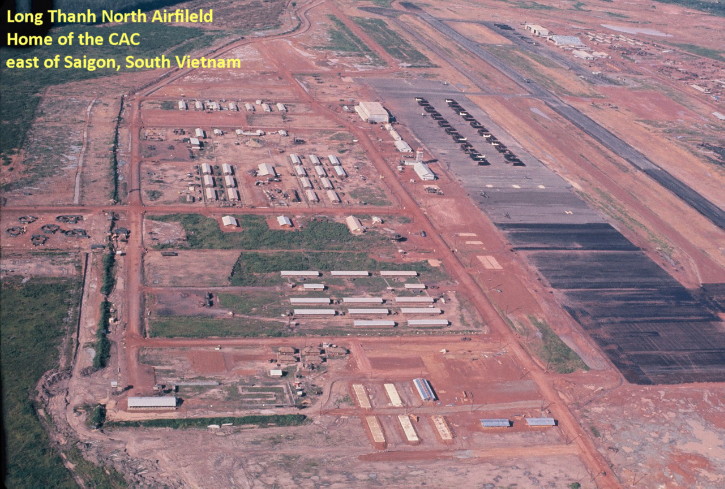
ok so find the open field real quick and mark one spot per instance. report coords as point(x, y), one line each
point(512, 276)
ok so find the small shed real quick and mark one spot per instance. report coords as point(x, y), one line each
point(265, 169)
point(230, 221)
point(284, 221)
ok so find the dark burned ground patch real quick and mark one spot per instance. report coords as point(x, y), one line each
point(653, 329)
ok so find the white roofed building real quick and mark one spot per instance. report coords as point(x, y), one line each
point(372, 112)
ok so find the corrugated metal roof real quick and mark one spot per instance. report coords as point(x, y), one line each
point(359, 273)
point(398, 273)
point(496, 423)
point(428, 322)
point(541, 421)
point(300, 273)
point(151, 402)
point(422, 298)
point(362, 300)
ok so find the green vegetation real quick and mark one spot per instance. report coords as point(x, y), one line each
point(259, 304)
point(344, 41)
point(168, 105)
point(114, 154)
point(109, 281)
point(204, 233)
point(595, 431)
point(262, 421)
point(22, 87)
point(103, 344)
point(34, 319)
point(374, 196)
point(154, 195)
point(98, 416)
point(701, 51)
point(713, 7)
point(555, 352)
point(197, 327)
point(393, 43)
point(574, 485)
point(249, 266)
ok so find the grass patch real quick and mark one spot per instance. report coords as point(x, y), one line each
point(250, 266)
point(534, 6)
point(258, 304)
point(204, 233)
point(344, 41)
point(261, 421)
point(35, 317)
point(103, 344)
point(368, 196)
point(701, 51)
point(195, 327)
point(393, 43)
point(709, 6)
point(555, 352)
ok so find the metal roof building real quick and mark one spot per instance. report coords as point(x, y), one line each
point(312, 196)
point(332, 195)
point(314, 312)
point(300, 171)
point(227, 169)
point(208, 180)
point(230, 221)
point(326, 183)
point(354, 225)
point(281, 107)
point(199, 132)
point(199, 105)
point(266, 107)
point(295, 159)
point(350, 273)
point(373, 323)
point(165, 402)
point(369, 311)
point(340, 172)
point(229, 181)
point(423, 171)
point(210, 193)
point(233, 106)
point(310, 300)
point(496, 423)
point(233, 194)
point(314, 286)
point(320, 170)
point(195, 143)
point(415, 286)
point(299, 273)
point(425, 390)
point(403, 147)
point(284, 221)
point(334, 160)
point(206, 169)
point(249, 107)
point(306, 182)
point(540, 421)
point(265, 169)
point(422, 298)
point(314, 159)
point(372, 112)
point(418, 323)
point(420, 310)
point(362, 300)
point(182, 105)
point(398, 273)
